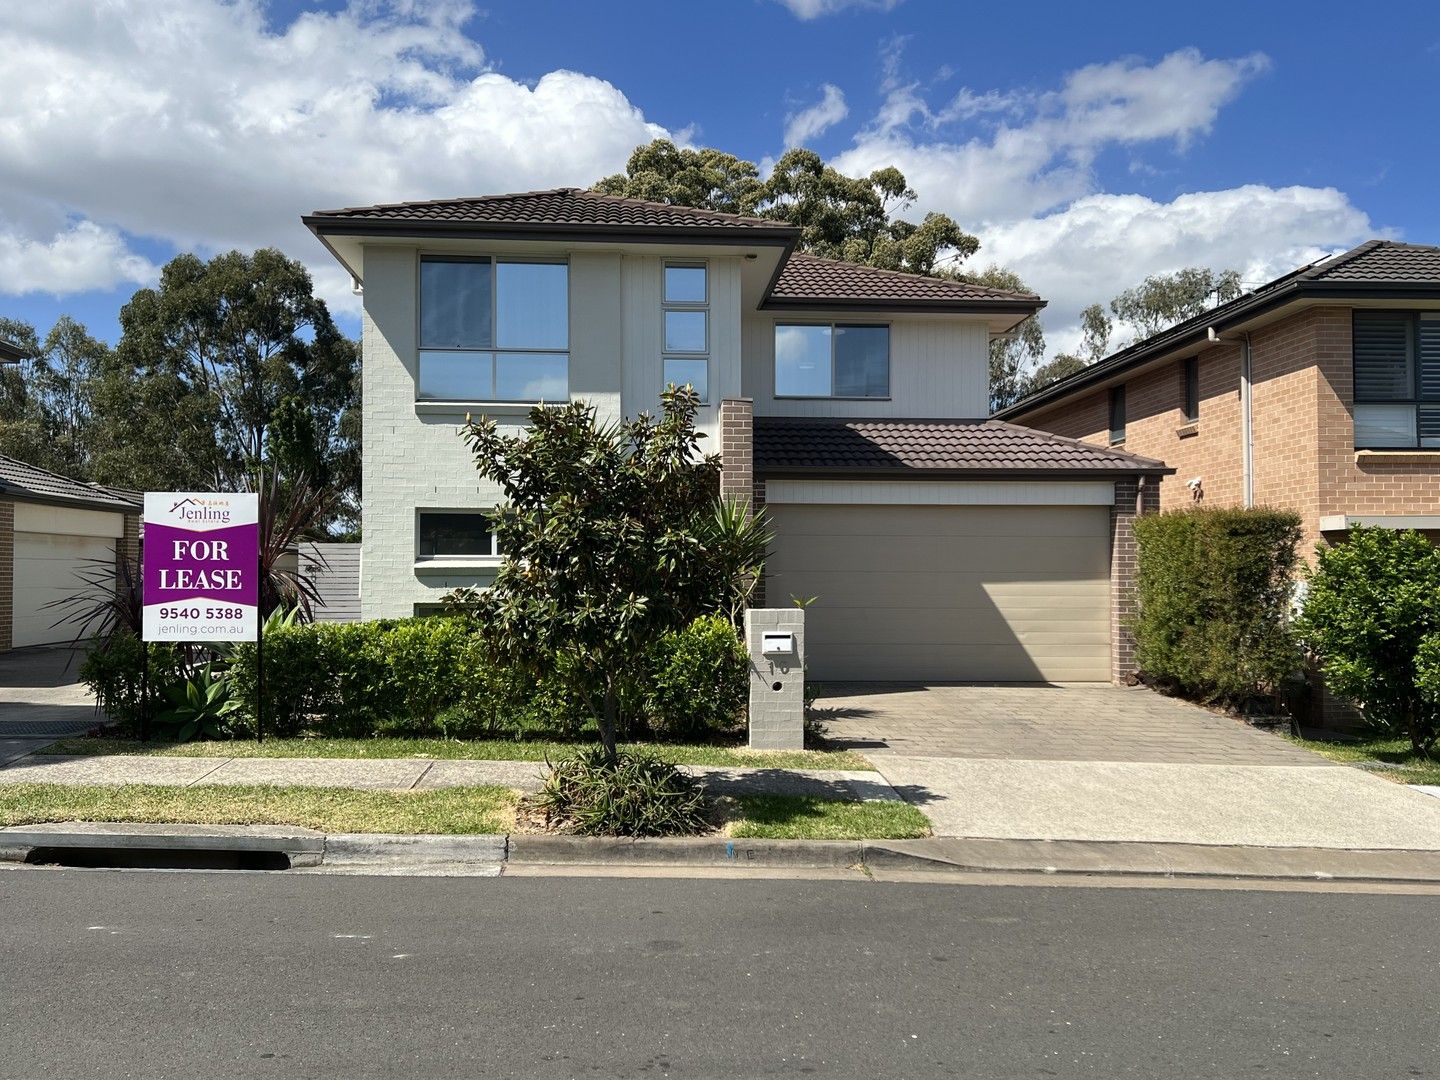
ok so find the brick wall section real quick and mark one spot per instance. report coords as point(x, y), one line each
point(737, 449)
point(1304, 456)
point(7, 574)
point(1129, 497)
point(127, 550)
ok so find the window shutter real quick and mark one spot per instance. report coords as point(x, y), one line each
point(1430, 357)
point(1381, 347)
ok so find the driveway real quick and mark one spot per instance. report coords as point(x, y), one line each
point(1113, 764)
point(1079, 722)
point(41, 699)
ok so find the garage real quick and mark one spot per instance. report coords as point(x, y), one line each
point(48, 568)
point(1007, 593)
point(58, 538)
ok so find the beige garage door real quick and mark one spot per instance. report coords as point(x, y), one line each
point(47, 568)
point(966, 593)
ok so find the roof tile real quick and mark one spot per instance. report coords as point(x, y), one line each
point(562, 207)
point(800, 443)
point(808, 278)
point(21, 481)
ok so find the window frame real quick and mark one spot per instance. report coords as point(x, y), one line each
point(1117, 399)
point(492, 558)
point(1190, 387)
point(702, 306)
point(494, 350)
point(1416, 402)
point(831, 325)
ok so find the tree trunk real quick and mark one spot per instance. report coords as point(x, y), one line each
point(609, 715)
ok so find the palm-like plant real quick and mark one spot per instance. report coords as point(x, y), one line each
point(289, 513)
point(736, 540)
point(110, 601)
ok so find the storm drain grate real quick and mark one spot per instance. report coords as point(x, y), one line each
point(128, 858)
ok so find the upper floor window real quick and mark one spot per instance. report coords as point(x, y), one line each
point(685, 311)
point(1190, 373)
point(831, 360)
point(494, 329)
point(1117, 414)
point(1397, 379)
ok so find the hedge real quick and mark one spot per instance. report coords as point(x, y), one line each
point(428, 676)
point(1214, 591)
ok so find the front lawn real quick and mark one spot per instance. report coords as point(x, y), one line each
point(799, 817)
point(1391, 758)
point(456, 749)
point(339, 810)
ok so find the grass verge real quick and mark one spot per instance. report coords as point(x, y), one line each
point(442, 810)
point(459, 749)
point(799, 817)
point(1394, 757)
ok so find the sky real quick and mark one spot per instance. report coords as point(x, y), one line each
point(1086, 145)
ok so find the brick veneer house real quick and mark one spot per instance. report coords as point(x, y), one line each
point(1318, 392)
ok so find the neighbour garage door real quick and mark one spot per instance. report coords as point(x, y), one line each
point(965, 593)
point(47, 568)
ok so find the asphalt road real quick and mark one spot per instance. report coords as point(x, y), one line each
point(107, 974)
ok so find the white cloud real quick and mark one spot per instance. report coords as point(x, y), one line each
point(1016, 167)
point(200, 124)
point(1102, 244)
point(80, 257)
point(814, 9)
point(802, 126)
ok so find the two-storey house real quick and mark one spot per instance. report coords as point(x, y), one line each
point(1318, 392)
point(851, 402)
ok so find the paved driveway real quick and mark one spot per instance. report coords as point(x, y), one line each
point(1081, 722)
point(41, 699)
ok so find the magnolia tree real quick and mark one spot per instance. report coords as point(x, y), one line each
point(613, 535)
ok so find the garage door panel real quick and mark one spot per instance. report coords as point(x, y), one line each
point(948, 521)
point(48, 567)
point(1001, 555)
point(948, 593)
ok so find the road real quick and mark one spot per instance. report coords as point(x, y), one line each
point(134, 974)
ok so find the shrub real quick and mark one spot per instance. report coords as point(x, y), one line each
point(630, 794)
point(1370, 615)
point(1214, 594)
point(698, 680)
point(114, 671)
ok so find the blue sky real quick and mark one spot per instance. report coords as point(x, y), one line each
point(1086, 150)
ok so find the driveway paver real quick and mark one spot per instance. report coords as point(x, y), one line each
point(1081, 722)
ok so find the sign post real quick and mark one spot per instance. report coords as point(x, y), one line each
point(201, 576)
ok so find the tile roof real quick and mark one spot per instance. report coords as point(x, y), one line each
point(1376, 267)
point(560, 208)
point(25, 482)
point(786, 444)
point(1381, 260)
point(809, 278)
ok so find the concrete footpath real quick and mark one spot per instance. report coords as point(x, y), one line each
point(409, 774)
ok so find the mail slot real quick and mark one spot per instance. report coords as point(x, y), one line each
point(774, 643)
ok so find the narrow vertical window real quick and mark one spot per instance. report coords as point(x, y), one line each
point(1191, 374)
point(685, 327)
point(1117, 414)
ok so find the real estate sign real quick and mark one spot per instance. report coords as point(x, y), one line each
point(202, 566)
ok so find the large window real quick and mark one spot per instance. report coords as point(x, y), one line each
point(685, 311)
point(494, 329)
point(456, 534)
point(832, 361)
point(1397, 380)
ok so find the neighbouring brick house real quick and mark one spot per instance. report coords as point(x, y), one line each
point(1318, 392)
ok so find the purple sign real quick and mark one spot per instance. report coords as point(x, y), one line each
point(202, 566)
